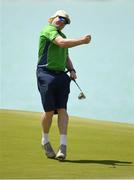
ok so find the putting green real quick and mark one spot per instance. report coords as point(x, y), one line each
point(96, 149)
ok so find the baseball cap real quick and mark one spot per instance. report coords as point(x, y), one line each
point(61, 13)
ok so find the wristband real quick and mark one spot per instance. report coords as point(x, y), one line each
point(70, 70)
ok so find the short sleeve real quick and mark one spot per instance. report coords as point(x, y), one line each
point(50, 33)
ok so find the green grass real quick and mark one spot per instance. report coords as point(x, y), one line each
point(96, 149)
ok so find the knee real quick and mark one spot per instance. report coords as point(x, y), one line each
point(62, 111)
point(48, 115)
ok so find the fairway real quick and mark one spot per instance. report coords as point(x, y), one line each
point(96, 149)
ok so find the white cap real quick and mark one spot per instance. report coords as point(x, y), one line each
point(60, 13)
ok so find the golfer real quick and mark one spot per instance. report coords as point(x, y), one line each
point(53, 81)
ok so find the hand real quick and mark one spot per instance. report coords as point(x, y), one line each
point(86, 39)
point(73, 75)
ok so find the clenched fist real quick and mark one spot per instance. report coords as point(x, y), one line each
point(86, 39)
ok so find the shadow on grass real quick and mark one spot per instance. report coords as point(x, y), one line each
point(113, 163)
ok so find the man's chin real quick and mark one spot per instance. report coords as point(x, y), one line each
point(58, 26)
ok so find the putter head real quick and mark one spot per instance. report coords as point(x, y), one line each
point(81, 96)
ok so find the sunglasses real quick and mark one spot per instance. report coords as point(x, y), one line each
point(63, 19)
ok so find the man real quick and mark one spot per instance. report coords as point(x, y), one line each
point(53, 82)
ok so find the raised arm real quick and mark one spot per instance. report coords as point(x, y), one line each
point(68, 43)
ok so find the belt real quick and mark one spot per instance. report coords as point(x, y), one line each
point(50, 70)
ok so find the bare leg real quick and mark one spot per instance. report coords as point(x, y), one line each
point(63, 125)
point(46, 124)
point(46, 121)
point(62, 121)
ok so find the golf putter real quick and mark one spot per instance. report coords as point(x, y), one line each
point(81, 95)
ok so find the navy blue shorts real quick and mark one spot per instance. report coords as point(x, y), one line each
point(54, 88)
